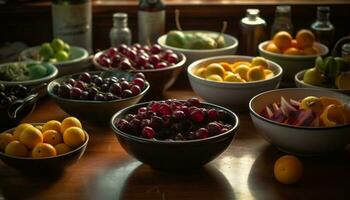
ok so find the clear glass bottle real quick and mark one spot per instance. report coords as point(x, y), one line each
point(151, 21)
point(322, 27)
point(120, 32)
point(282, 21)
point(72, 22)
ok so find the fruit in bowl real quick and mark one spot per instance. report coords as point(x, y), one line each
point(175, 134)
point(54, 51)
point(43, 146)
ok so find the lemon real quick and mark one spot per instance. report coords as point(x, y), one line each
point(308, 102)
point(15, 148)
point(62, 148)
point(256, 73)
point(70, 122)
point(215, 68)
point(313, 76)
point(31, 136)
point(260, 61)
point(43, 150)
point(200, 72)
point(5, 139)
point(268, 73)
point(242, 70)
point(214, 77)
point(74, 137)
point(52, 137)
point(233, 78)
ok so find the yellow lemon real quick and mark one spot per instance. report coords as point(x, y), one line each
point(31, 136)
point(256, 73)
point(40, 128)
point(5, 139)
point(74, 137)
point(52, 125)
point(200, 72)
point(233, 78)
point(238, 63)
point(260, 61)
point(214, 77)
point(215, 68)
point(43, 150)
point(19, 129)
point(52, 137)
point(242, 70)
point(62, 148)
point(70, 122)
point(268, 73)
point(15, 148)
point(226, 66)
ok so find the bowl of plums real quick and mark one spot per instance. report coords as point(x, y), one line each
point(16, 102)
point(48, 147)
point(331, 73)
point(303, 121)
point(175, 134)
point(160, 66)
point(68, 59)
point(96, 96)
point(231, 81)
point(293, 55)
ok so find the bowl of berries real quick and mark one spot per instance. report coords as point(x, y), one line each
point(175, 134)
point(160, 66)
point(303, 121)
point(48, 147)
point(96, 96)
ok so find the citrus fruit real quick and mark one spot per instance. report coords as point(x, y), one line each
point(313, 76)
point(43, 150)
point(294, 43)
point(74, 137)
point(215, 68)
point(62, 148)
point(46, 51)
point(5, 139)
point(333, 115)
point(15, 148)
point(52, 137)
point(326, 101)
point(271, 47)
point(260, 61)
point(57, 44)
point(288, 169)
point(214, 77)
point(305, 38)
point(238, 63)
point(293, 51)
point(40, 128)
point(61, 55)
point(70, 122)
point(268, 73)
point(310, 51)
point(242, 70)
point(18, 130)
point(226, 66)
point(314, 103)
point(52, 125)
point(233, 78)
point(343, 81)
point(256, 73)
point(31, 136)
point(200, 72)
point(282, 40)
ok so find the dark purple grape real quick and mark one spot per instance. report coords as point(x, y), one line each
point(135, 89)
point(104, 87)
point(125, 64)
point(172, 58)
point(116, 89)
point(125, 85)
point(178, 115)
point(126, 93)
point(92, 92)
point(154, 59)
point(141, 60)
point(71, 81)
point(131, 55)
point(213, 114)
point(97, 80)
point(140, 75)
point(124, 125)
point(197, 115)
point(135, 125)
point(112, 52)
point(104, 61)
point(123, 49)
point(85, 77)
point(99, 97)
point(80, 85)
point(109, 97)
point(214, 128)
point(64, 91)
point(156, 49)
point(193, 102)
point(137, 46)
point(84, 95)
point(202, 133)
point(75, 93)
point(149, 66)
point(148, 132)
point(140, 82)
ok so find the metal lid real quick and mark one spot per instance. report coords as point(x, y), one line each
point(346, 48)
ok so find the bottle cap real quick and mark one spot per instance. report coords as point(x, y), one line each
point(252, 13)
point(323, 12)
point(120, 16)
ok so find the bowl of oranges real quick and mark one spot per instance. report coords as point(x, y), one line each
point(292, 54)
point(41, 147)
point(231, 81)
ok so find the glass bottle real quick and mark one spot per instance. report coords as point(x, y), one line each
point(72, 22)
point(151, 21)
point(322, 27)
point(282, 21)
point(120, 32)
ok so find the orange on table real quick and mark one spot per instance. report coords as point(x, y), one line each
point(16, 148)
point(31, 136)
point(314, 103)
point(305, 38)
point(271, 47)
point(74, 137)
point(70, 122)
point(282, 40)
point(5, 139)
point(52, 137)
point(43, 150)
point(326, 101)
point(62, 148)
point(288, 169)
point(293, 51)
point(52, 125)
point(18, 130)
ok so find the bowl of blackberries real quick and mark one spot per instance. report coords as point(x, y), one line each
point(175, 134)
point(96, 96)
point(16, 102)
point(160, 66)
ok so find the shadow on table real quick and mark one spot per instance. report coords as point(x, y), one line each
point(325, 177)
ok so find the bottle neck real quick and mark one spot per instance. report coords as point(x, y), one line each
point(120, 23)
point(322, 17)
point(151, 5)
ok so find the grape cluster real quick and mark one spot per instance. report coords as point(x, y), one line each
point(97, 88)
point(175, 120)
point(9, 94)
point(137, 57)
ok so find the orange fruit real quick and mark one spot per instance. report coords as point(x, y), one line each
point(62, 148)
point(19, 129)
point(43, 150)
point(242, 70)
point(233, 78)
point(282, 40)
point(333, 115)
point(294, 43)
point(271, 47)
point(256, 73)
point(288, 169)
point(215, 68)
point(226, 66)
point(15, 148)
point(260, 61)
point(52, 137)
point(305, 39)
point(214, 77)
point(74, 137)
point(310, 51)
point(31, 136)
point(52, 125)
point(268, 73)
point(70, 122)
point(40, 128)
point(200, 72)
point(293, 51)
point(5, 139)
point(238, 63)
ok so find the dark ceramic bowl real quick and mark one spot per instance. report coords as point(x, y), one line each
point(94, 111)
point(174, 155)
point(49, 164)
point(159, 79)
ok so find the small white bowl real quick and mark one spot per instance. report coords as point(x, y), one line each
point(231, 94)
point(306, 141)
point(231, 45)
point(292, 64)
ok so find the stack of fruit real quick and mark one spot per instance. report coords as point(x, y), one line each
point(56, 51)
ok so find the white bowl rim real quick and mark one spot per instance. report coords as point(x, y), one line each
point(234, 45)
point(34, 81)
point(319, 45)
point(177, 65)
point(253, 112)
point(44, 158)
point(227, 84)
point(296, 78)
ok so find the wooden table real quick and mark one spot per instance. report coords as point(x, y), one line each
point(243, 171)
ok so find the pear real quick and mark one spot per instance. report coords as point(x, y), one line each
point(176, 39)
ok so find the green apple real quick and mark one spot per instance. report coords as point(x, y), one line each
point(46, 51)
point(57, 44)
point(61, 55)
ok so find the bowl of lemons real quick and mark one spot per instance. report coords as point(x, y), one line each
point(231, 81)
point(68, 59)
point(43, 147)
point(292, 54)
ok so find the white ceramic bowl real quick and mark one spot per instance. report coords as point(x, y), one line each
point(292, 64)
point(231, 94)
point(298, 78)
point(231, 45)
point(299, 140)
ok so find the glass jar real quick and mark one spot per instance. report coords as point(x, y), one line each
point(120, 33)
point(322, 27)
point(283, 21)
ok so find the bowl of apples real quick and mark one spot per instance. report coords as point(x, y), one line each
point(303, 121)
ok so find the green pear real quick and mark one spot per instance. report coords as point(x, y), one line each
point(175, 39)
